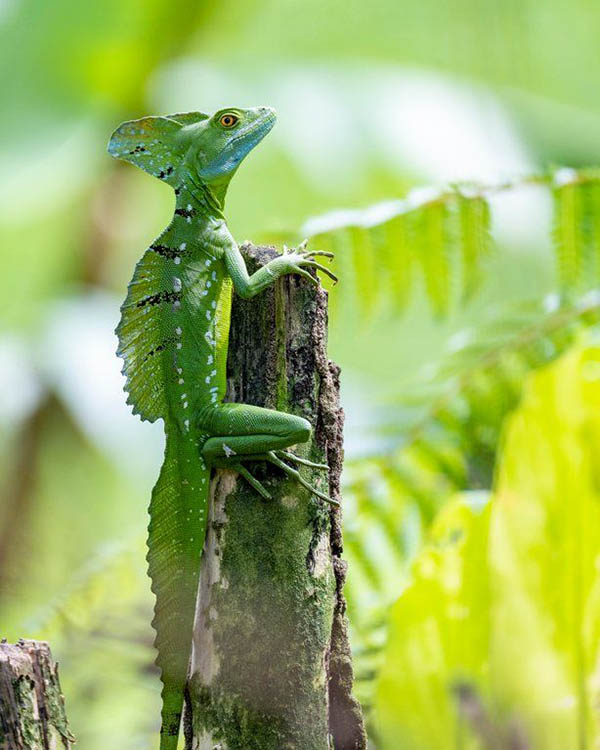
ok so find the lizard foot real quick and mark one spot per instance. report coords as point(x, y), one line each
point(306, 259)
point(272, 458)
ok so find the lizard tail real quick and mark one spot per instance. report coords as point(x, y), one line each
point(175, 539)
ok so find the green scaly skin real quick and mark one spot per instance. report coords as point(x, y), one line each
point(173, 337)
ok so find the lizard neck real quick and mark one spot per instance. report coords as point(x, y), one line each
point(208, 200)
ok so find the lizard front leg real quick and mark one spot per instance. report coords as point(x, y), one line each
point(294, 261)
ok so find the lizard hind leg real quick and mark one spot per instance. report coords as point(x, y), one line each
point(238, 431)
point(241, 433)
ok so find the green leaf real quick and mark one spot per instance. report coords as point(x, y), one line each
point(430, 237)
point(506, 600)
point(398, 258)
point(474, 214)
point(438, 630)
point(567, 239)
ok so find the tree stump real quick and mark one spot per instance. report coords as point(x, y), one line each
point(32, 709)
point(271, 666)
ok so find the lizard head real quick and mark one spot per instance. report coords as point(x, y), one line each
point(208, 147)
point(218, 145)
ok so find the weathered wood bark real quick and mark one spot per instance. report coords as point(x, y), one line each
point(32, 709)
point(271, 666)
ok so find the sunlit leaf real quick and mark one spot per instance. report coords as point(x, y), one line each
point(505, 600)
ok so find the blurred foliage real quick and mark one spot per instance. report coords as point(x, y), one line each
point(447, 235)
point(452, 304)
point(506, 597)
point(443, 439)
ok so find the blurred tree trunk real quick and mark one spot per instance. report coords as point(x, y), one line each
point(32, 709)
point(271, 667)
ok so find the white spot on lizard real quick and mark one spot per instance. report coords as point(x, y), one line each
point(228, 451)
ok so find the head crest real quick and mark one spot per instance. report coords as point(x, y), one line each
point(152, 143)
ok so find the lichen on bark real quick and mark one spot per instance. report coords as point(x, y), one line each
point(271, 665)
point(32, 710)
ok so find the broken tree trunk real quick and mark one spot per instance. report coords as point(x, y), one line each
point(271, 666)
point(32, 708)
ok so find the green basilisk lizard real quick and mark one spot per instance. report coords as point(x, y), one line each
point(173, 337)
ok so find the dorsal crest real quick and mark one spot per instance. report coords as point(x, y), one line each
point(154, 143)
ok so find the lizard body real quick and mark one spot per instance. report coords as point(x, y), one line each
point(173, 337)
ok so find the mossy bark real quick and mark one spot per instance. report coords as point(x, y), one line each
point(271, 667)
point(32, 709)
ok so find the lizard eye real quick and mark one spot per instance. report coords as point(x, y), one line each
point(228, 120)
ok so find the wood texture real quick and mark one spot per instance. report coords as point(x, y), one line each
point(32, 709)
point(271, 667)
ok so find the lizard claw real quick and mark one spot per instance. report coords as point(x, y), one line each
point(315, 253)
point(319, 267)
point(298, 459)
point(300, 259)
point(296, 475)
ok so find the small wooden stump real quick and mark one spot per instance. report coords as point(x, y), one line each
point(32, 707)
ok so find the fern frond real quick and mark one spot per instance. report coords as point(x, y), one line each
point(379, 248)
point(446, 234)
point(576, 229)
point(475, 240)
point(111, 581)
point(394, 242)
point(592, 212)
point(433, 249)
point(568, 239)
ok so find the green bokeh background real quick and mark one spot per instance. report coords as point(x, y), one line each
point(372, 99)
